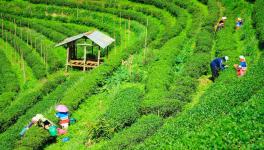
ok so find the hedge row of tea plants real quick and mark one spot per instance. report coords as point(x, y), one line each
point(91, 85)
point(123, 111)
point(259, 20)
point(233, 42)
point(8, 81)
point(185, 81)
point(19, 66)
point(153, 23)
point(85, 18)
point(83, 97)
point(229, 93)
point(241, 128)
point(84, 120)
point(87, 116)
point(184, 131)
point(28, 53)
point(142, 132)
point(101, 123)
point(55, 56)
point(158, 70)
point(8, 78)
point(157, 101)
point(137, 133)
point(27, 99)
point(11, 136)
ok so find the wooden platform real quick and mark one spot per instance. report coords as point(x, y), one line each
point(80, 63)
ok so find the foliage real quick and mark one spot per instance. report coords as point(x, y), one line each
point(31, 57)
point(37, 136)
point(122, 112)
point(8, 79)
point(182, 87)
point(112, 100)
point(128, 138)
point(217, 102)
point(26, 100)
point(197, 65)
point(5, 99)
point(87, 87)
point(258, 16)
point(43, 46)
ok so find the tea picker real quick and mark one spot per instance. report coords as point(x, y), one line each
point(43, 122)
point(63, 115)
point(239, 23)
point(217, 65)
point(241, 67)
point(220, 24)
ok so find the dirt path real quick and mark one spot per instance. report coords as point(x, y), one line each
point(204, 84)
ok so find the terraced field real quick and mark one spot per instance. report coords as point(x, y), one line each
point(152, 91)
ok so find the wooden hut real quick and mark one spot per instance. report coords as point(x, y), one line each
point(97, 38)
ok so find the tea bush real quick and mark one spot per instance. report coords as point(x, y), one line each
point(122, 112)
point(128, 138)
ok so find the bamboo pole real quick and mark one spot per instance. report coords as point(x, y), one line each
point(15, 26)
point(125, 35)
point(21, 35)
point(115, 35)
point(120, 27)
point(23, 68)
point(41, 52)
point(102, 15)
point(35, 43)
point(146, 36)
point(6, 40)
point(129, 26)
point(130, 66)
point(46, 54)
point(28, 33)
point(77, 11)
point(115, 43)
point(27, 37)
point(2, 25)
point(15, 43)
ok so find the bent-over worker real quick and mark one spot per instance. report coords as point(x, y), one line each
point(217, 65)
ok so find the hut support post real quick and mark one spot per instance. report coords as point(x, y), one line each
point(67, 58)
point(98, 59)
point(84, 59)
point(107, 52)
point(92, 48)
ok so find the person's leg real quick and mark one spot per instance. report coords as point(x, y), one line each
point(215, 73)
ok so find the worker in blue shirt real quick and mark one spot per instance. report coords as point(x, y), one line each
point(241, 67)
point(239, 23)
point(217, 65)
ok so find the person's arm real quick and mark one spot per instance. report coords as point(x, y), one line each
point(57, 114)
point(222, 66)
